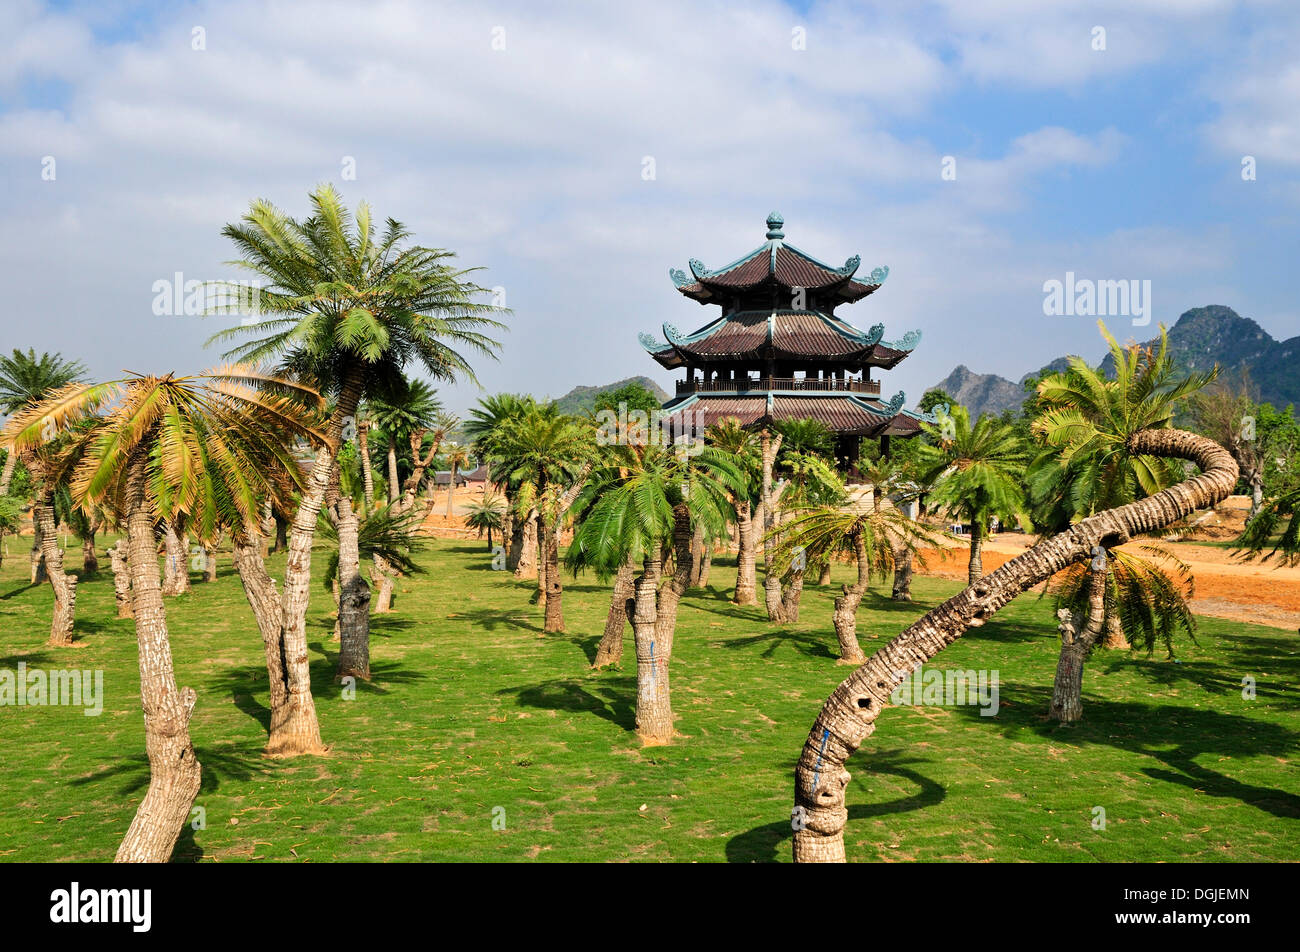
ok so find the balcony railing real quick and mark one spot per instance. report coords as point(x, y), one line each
point(745, 385)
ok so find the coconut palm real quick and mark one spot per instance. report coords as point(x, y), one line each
point(357, 310)
point(1087, 422)
point(849, 715)
point(646, 500)
point(978, 473)
point(486, 515)
point(165, 447)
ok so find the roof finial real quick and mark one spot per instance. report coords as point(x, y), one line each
point(774, 223)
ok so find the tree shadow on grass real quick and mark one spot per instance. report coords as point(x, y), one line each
point(760, 845)
point(1172, 735)
point(804, 642)
point(238, 763)
point(611, 698)
point(490, 619)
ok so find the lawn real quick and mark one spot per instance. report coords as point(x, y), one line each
point(473, 709)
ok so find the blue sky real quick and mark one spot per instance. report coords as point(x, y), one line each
point(1122, 163)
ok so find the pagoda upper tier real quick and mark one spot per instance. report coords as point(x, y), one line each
point(778, 303)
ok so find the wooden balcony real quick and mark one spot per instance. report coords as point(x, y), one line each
point(763, 384)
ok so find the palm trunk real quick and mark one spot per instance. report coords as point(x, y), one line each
point(367, 477)
point(387, 578)
point(64, 585)
point(295, 728)
point(176, 571)
point(7, 474)
point(1115, 639)
point(657, 621)
point(903, 574)
point(209, 563)
point(845, 617)
point(707, 566)
point(121, 580)
point(174, 771)
point(1076, 645)
point(976, 571)
point(89, 557)
point(849, 715)
point(526, 563)
point(394, 487)
point(610, 649)
point(746, 574)
point(38, 552)
point(697, 555)
point(281, 534)
point(553, 584)
point(264, 600)
point(354, 600)
point(791, 597)
point(824, 574)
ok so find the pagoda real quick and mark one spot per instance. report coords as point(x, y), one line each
point(779, 352)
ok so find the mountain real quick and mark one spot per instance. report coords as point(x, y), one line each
point(580, 399)
point(981, 393)
point(1199, 339)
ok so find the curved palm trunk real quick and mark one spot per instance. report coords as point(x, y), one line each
point(746, 575)
point(121, 580)
point(295, 728)
point(849, 715)
point(174, 771)
point(264, 600)
point(610, 649)
point(354, 599)
point(902, 574)
point(64, 585)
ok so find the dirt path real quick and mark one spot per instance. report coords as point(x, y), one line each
point(1261, 594)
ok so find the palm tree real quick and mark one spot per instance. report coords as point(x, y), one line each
point(873, 536)
point(486, 515)
point(456, 457)
point(646, 500)
point(849, 715)
point(167, 447)
point(414, 407)
point(549, 453)
point(1087, 422)
point(729, 437)
point(978, 473)
point(811, 482)
point(484, 428)
point(356, 310)
point(26, 379)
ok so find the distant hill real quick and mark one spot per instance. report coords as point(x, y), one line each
point(981, 393)
point(1200, 338)
point(581, 399)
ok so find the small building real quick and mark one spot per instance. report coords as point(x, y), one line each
point(778, 351)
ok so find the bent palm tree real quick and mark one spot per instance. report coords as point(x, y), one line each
point(169, 447)
point(354, 311)
point(850, 713)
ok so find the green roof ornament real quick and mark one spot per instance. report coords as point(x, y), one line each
point(774, 224)
point(680, 277)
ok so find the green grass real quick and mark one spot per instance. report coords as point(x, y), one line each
point(472, 708)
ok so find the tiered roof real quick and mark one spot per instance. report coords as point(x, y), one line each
point(849, 414)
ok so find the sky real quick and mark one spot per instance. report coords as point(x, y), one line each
point(576, 152)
